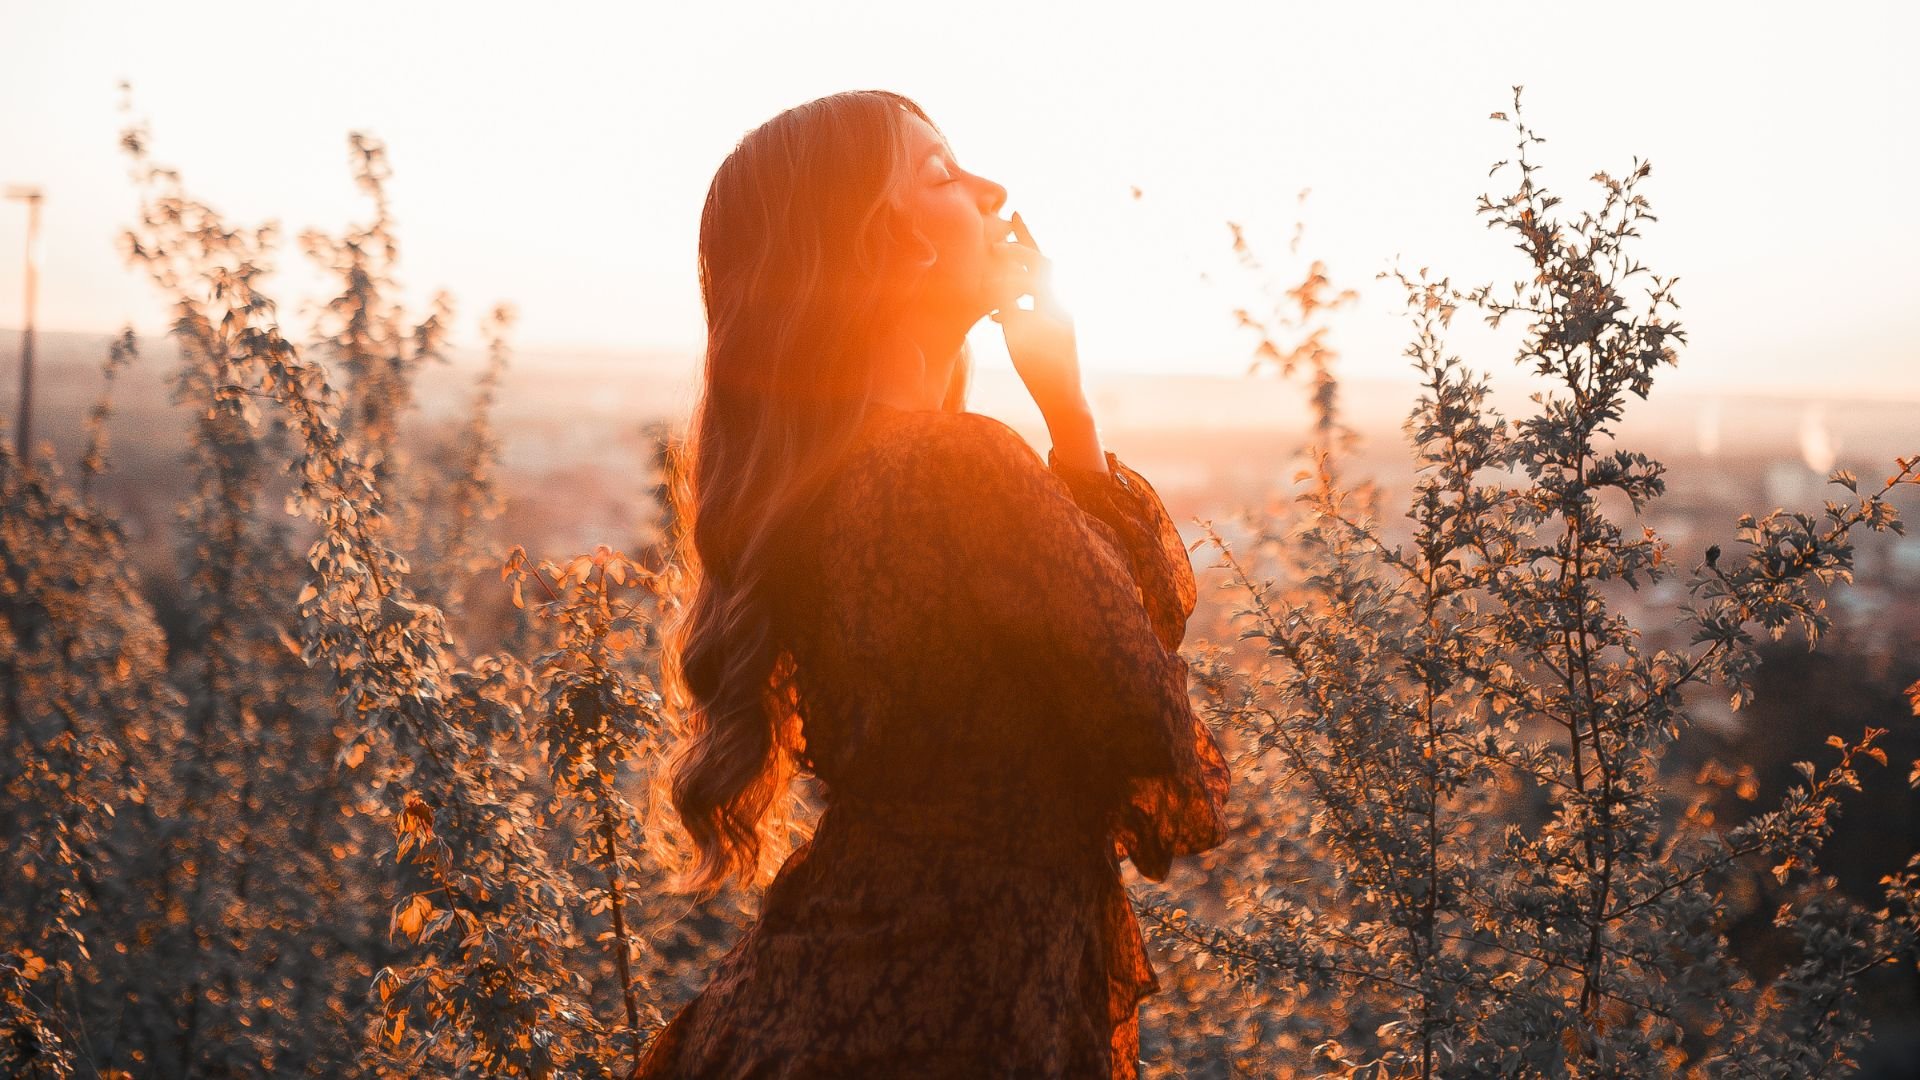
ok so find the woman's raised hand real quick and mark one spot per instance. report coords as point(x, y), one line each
point(1041, 341)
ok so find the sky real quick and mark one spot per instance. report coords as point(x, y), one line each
point(557, 157)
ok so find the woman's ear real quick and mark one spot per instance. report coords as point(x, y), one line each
point(903, 264)
point(915, 251)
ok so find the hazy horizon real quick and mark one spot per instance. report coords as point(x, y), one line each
point(566, 172)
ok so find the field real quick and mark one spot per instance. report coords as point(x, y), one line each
point(330, 659)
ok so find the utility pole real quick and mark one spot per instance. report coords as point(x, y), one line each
point(25, 430)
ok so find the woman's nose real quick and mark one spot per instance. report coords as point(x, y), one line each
point(996, 196)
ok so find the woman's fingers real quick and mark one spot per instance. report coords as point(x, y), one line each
point(1020, 230)
point(1026, 258)
point(1034, 276)
point(1023, 270)
point(1037, 284)
point(1038, 281)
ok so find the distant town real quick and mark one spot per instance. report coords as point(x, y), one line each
point(577, 434)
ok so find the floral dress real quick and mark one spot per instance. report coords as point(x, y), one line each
point(987, 677)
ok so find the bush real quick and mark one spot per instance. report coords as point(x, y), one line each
point(1468, 863)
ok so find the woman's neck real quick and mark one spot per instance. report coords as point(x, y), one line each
point(909, 376)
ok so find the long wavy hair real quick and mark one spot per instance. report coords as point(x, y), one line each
point(804, 266)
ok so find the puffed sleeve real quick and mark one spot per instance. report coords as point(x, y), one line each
point(1180, 811)
point(1082, 580)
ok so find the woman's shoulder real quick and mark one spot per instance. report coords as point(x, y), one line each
point(939, 463)
point(949, 439)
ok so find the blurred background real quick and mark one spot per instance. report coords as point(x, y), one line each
point(558, 161)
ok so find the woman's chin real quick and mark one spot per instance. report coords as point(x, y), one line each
point(966, 312)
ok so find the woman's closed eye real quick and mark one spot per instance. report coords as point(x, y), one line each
point(946, 172)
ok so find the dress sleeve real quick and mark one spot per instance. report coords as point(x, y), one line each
point(1084, 581)
point(1181, 811)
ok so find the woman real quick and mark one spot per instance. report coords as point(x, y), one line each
point(973, 653)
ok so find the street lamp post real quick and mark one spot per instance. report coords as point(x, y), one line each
point(25, 431)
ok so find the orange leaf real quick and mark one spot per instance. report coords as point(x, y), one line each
point(413, 916)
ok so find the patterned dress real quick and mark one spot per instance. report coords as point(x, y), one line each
point(986, 665)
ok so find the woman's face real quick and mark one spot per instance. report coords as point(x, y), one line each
point(958, 213)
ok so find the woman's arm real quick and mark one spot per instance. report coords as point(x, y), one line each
point(1076, 438)
point(1082, 584)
